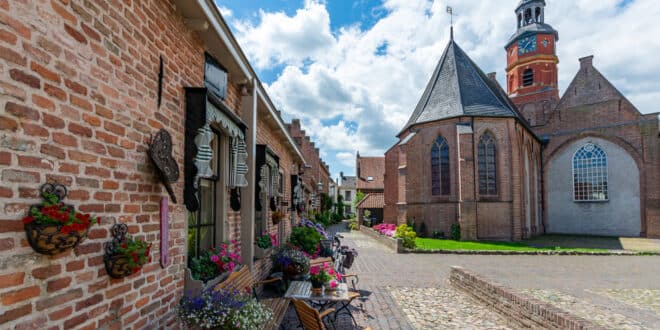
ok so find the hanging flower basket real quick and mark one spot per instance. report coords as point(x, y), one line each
point(53, 227)
point(125, 255)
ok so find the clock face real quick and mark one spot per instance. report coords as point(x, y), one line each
point(527, 45)
point(545, 42)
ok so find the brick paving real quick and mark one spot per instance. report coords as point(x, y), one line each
point(394, 283)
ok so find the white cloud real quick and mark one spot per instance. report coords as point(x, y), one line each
point(339, 78)
point(226, 12)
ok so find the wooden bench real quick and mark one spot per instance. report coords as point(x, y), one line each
point(319, 261)
point(242, 279)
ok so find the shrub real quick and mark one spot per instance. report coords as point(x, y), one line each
point(216, 261)
point(337, 217)
point(455, 231)
point(306, 238)
point(386, 229)
point(408, 235)
point(353, 225)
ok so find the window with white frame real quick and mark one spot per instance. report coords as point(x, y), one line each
point(590, 174)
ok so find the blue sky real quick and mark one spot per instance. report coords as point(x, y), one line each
point(352, 71)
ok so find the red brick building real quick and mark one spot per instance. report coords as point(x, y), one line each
point(315, 176)
point(84, 86)
point(370, 181)
point(509, 167)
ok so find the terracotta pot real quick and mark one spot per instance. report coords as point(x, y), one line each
point(49, 240)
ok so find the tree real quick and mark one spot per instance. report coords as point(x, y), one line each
point(358, 198)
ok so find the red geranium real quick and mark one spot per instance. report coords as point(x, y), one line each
point(53, 212)
point(136, 251)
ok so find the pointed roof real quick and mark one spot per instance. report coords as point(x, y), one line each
point(459, 88)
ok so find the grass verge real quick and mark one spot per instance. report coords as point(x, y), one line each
point(451, 245)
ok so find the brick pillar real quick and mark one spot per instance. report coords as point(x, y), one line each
point(467, 205)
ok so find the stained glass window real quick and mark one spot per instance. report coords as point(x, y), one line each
point(440, 180)
point(486, 154)
point(590, 174)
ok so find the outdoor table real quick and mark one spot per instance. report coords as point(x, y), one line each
point(302, 290)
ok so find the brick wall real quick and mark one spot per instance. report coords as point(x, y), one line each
point(266, 134)
point(79, 85)
point(592, 106)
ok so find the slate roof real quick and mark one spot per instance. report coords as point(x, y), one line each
point(373, 167)
point(459, 88)
point(372, 201)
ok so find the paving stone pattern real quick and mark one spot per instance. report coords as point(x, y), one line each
point(411, 291)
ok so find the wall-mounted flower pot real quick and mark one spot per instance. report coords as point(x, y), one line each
point(192, 286)
point(53, 227)
point(49, 239)
point(117, 266)
point(125, 255)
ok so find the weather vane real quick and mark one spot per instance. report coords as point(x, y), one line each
point(450, 11)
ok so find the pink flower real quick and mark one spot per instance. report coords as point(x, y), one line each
point(215, 258)
point(331, 271)
point(339, 276)
point(232, 265)
point(315, 270)
point(333, 284)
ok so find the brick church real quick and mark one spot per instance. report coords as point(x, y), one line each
point(509, 165)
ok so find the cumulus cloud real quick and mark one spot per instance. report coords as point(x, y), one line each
point(374, 77)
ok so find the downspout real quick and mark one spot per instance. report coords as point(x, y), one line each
point(458, 177)
point(476, 179)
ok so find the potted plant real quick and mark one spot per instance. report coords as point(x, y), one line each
point(53, 227)
point(277, 216)
point(125, 255)
point(264, 243)
point(319, 275)
point(222, 309)
point(290, 261)
point(212, 267)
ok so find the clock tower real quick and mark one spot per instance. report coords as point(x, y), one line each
point(531, 59)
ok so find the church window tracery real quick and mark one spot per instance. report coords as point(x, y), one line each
point(440, 180)
point(590, 174)
point(486, 153)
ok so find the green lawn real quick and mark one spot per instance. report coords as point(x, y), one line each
point(445, 244)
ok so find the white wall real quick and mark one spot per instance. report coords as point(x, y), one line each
point(620, 216)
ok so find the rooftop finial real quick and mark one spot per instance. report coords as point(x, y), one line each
point(450, 11)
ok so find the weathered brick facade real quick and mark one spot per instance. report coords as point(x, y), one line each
point(79, 89)
point(316, 170)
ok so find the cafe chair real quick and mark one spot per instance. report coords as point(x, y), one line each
point(310, 318)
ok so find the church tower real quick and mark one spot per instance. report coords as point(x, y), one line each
point(531, 58)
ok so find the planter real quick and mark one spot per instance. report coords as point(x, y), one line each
point(195, 287)
point(49, 240)
point(117, 266)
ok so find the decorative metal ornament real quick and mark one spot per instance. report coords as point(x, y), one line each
point(116, 265)
point(48, 239)
point(160, 152)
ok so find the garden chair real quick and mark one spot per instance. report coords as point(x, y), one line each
point(310, 318)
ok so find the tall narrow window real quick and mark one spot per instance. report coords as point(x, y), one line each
point(528, 77)
point(440, 180)
point(486, 153)
point(205, 227)
point(590, 174)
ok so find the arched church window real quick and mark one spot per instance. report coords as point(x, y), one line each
point(519, 20)
point(528, 77)
point(486, 154)
point(440, 180)
point(590, 174)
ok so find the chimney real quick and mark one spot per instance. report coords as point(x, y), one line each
point(492, 76)
point(587, 62)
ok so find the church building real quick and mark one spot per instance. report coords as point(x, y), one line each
point(509, 165)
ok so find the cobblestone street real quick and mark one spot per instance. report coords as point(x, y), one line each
point(411, 291)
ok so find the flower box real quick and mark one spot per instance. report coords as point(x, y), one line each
point(260, 253)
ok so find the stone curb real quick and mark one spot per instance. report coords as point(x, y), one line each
point(396, 244)
point(527, 311)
